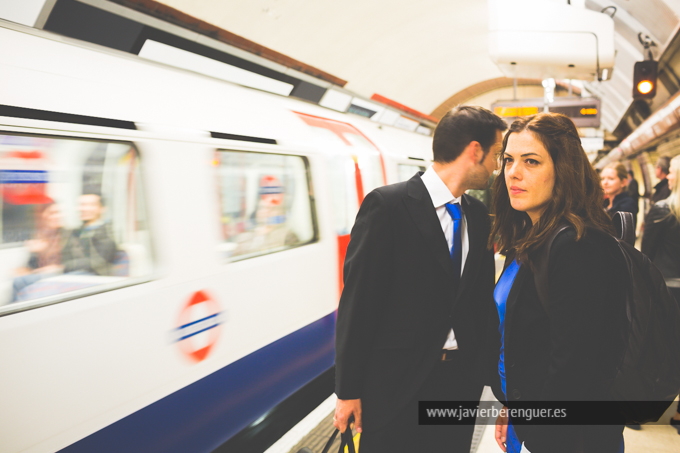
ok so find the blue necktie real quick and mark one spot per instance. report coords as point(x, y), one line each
point(457, 246)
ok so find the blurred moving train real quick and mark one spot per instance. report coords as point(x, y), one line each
point(226, 212)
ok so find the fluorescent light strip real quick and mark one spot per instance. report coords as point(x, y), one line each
point(163, 53)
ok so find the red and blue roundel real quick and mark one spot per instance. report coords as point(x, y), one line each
point(198, 327)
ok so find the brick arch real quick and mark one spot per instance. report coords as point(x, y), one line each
point(489, 85)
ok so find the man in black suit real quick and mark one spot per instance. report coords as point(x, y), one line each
point(417, 320)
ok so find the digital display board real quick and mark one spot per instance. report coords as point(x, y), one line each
point(584, 112)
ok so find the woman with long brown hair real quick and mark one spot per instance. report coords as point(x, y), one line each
point(565, 350)
point(615, 185)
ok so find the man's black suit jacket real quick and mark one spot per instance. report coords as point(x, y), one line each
point(399, 301)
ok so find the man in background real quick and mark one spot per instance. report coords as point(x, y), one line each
point(661, 190)
point(96, 250)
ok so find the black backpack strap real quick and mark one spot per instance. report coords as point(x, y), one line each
point(540, 266)
point(624, 224)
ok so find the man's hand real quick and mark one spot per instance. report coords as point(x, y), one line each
point(343, 410)
point(502, 429)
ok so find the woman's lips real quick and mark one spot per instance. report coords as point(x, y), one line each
point(516, 190)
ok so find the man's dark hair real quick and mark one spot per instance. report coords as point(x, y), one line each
point(664, 163)
point(101, 199)
point(462, 125)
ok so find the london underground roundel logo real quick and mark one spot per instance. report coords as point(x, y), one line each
point(198, 326)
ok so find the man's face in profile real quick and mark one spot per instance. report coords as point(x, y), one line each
point(488, 165)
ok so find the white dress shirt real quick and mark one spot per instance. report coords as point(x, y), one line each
point(441, 195)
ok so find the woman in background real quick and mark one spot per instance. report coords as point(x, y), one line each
point(46, 249)
point(617, 198)
point(565, 350)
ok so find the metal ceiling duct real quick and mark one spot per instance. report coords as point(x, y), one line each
point(663, 121)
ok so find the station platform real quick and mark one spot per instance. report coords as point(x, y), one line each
point(315, 429)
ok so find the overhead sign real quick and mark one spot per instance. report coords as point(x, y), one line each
point(198, 326)
point(584, 112)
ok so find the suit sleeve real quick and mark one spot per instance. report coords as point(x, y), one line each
point(366, 288)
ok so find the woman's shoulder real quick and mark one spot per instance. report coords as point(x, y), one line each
point(623, 201)
point(593, 247)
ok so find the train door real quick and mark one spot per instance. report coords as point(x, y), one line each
point(277, 280)
point(356, 167)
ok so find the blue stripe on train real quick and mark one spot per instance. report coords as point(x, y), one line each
point(203, 415)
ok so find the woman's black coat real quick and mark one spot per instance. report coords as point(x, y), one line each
point(623, 202)
point(570, 354)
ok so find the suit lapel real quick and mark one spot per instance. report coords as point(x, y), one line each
point(419, 206)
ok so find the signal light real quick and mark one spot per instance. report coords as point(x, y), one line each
point(644, 79)
point(645, 86)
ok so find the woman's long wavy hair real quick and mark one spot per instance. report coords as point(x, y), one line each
point(577, 193)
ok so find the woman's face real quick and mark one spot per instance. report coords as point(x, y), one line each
point(611, 184)
point(52, 217)
point(529, 174)
point(671, 175)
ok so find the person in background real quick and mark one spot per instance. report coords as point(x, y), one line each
point(614, 179)
point(49, 249)
point(564, 348)
point(96, 249)
point(661, 169)
point(661, 241)
point(269, 226)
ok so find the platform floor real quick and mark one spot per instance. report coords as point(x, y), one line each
point(313, 432)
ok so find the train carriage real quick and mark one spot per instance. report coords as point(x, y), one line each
point(196, 231)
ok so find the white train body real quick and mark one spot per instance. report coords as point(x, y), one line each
point(103, 364)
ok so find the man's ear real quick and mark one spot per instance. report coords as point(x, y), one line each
point(475, 152)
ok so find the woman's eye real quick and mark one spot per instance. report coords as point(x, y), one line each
point(532, 162)
point(507, 160)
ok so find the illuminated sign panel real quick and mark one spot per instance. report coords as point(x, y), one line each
point(584, 112)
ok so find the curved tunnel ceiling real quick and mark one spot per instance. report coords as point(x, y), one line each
point(420, 53)
point(417, 53)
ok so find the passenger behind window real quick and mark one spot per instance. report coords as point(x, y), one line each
point(46, 250)
point(94, 251)
point(269, 229)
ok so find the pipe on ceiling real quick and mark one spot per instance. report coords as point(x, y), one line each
point(663, 121)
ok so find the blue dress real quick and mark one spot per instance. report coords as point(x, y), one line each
point(500, 295)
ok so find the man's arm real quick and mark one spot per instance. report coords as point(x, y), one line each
point(366, 273)
point(492, 337)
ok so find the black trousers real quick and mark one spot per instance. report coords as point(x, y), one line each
point(449, 381)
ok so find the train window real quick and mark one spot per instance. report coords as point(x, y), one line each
point(73, 219)
point(406, 171)
point(265, 203)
